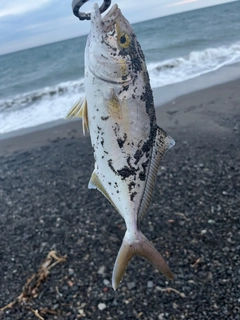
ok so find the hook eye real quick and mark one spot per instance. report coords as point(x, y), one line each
point(77, 4)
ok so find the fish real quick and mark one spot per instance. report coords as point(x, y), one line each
point(128, 145)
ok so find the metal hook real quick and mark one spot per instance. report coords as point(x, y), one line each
point(76, 5)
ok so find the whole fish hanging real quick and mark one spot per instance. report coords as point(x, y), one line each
point(128, 145)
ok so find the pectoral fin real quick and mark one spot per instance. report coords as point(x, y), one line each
point(79, 110)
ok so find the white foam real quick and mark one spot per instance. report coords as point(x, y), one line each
point(193, 65)
point(38, 107)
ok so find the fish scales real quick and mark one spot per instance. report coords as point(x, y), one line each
point(120, 115)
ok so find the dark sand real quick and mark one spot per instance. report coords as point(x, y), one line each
point(194, 220)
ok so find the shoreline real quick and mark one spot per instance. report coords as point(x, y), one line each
point(161, 95)
point(179, 111)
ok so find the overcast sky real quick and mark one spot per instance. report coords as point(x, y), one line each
point(25, 24)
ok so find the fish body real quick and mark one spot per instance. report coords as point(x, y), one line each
point(120, 115)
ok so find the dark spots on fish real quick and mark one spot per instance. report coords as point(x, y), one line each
point(136, 55)
point(104, 56)
point(145, 164)
point(105, 118)
point(133, 195)
point(116, 129)
point(97, 109)
point(102, 157)
point(146, 147)
point(111, 166)
point(133, 96)
point(142, 174)
point(126, 172)
point(121, 141)
point(105, 152)
point(117, 191)
point(138, 155)
point(131, 185)
point(124, 78)
point(99, 128)
point(102, 141)
point(110, 183)
point(125, 88)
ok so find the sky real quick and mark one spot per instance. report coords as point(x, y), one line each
point(25, 24)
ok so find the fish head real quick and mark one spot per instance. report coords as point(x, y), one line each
point(112, 52)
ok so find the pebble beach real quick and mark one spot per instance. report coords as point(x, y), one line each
point(193, 220)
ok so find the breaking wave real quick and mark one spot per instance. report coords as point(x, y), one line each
point(193, 65)
point(40, 106)
point(52, 103)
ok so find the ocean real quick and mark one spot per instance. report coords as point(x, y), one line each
point(41, 84)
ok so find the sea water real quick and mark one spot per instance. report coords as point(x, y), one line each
point(41, 84)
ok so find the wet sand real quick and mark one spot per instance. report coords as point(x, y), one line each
point(193, 220)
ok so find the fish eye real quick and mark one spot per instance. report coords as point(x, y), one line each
point(124, 40)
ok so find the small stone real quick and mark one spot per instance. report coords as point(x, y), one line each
point(101, 270)
point(131, 285)
point(70, 272)
point(102, 306)
point(106, 282)
point(161, 316)
point(211, 221)
point(150, 284)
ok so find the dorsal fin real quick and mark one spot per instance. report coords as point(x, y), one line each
point(161, 145)
point(79, 110)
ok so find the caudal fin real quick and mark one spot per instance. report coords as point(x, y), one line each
point(139, 246)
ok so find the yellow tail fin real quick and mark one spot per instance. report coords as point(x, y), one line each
point(140, 246)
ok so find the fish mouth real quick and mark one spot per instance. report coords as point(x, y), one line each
point(106, 23)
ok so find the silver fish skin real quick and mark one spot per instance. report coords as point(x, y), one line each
point(120, 115)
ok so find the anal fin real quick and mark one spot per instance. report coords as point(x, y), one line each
point(95, 183)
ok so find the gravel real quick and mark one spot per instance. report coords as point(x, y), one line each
point(193, 221)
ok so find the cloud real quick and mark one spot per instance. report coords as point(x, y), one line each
point(20, 7)
point(181, 2)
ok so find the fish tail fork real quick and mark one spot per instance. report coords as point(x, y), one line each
point(139, 246)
